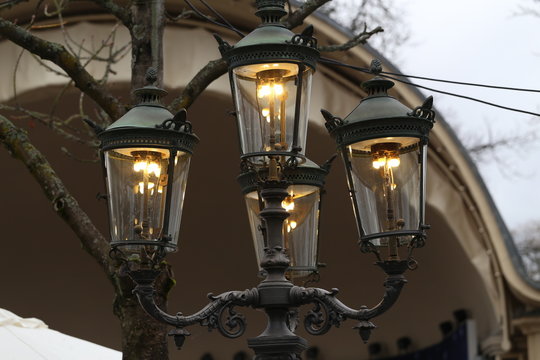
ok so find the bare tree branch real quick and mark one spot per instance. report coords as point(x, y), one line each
point(296, 18)
point(70, 64)
point(213, 70)
point(54, 123)
point(361, 38)
point(64, 204)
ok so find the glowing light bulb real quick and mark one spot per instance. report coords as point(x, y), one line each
point(393, 162)
point(154, 168)
point(293, 224)
point(278, 89)
point(265, 112)
point(140, 165)
point(263, 91)
point(288, 203)
point(379, 162)
point(141, 187)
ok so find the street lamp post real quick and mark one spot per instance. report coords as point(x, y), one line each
point(146, 157)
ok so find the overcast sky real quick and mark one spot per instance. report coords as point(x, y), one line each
point(482, 41)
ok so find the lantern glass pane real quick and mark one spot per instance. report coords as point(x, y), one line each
point(137, 184)
point(266, 101)
point(300, 229)
point(386, 181)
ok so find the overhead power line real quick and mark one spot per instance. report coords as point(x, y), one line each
point(393, 77)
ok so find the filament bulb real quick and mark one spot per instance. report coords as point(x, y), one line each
point(385, 155)
point(288, 203)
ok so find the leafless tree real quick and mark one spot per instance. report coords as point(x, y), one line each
point(142, 337)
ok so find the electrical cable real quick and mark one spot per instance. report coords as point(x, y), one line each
point(368, 71)
point(462, 83)
point(209, 19)
point(222, 18)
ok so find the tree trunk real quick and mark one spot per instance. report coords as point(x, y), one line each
point(143, 337)
point(147, 40)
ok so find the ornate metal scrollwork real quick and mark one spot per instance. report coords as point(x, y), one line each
point(231, 325)
point(178, 123)
point(425, 110)
point(328, 311)
point(305, 38)
point(321, 318)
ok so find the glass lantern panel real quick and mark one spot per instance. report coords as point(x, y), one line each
point(300, 229)
point(137, 184)
point(386, 181)
point(266, 101)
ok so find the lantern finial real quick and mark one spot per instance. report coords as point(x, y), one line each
point(270, 11)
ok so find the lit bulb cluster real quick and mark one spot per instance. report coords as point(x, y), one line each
point(386, 159)
point(270, 90)
point(390, 162)
point(288, 204)
point(148, 168)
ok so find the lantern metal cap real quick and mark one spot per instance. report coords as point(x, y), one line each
point(307, 173)
point(272, 41)
point(148, 112)
point(266, 34)
point(149, 123)
point(381, 115)
point(378, 104)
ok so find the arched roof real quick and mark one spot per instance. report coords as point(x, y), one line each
point(457, 196)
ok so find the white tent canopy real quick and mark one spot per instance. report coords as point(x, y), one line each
point(31, 339)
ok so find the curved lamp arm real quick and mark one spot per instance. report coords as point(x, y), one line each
point(210, 315)
point(330, 311)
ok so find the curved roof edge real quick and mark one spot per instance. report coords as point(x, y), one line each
point(509, 243)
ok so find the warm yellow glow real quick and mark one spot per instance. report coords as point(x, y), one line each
point(263, 91)
point(291, 225)
point(148, 166)
point(141, 187)
point(379, 162)
point(140, 165)
point(269, 90)
point(288, 203)
point(393, 162)
point(265, 112)
point(390, 162)
point(154, 168)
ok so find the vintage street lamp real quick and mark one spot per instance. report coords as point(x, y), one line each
point(146, 155)
point(383, 144)
point(301, 228)
point(270, 72)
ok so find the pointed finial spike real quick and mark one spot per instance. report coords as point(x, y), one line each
point(428, 103)
point(375, 67)
point(327, 115)
point(151, 75)
point(308, 31)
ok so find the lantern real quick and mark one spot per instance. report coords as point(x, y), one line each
point(384, 145)
point(301, 228)
point(146, 155)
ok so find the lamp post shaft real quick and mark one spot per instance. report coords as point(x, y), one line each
point(277, 341)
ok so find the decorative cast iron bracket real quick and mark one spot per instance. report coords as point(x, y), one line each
point(329, 311)
point(212, 315)
point(276, 295)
